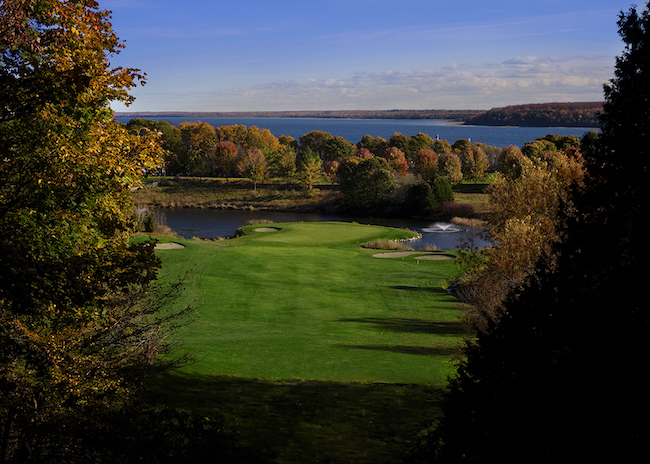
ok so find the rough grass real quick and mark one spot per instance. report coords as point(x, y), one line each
point(273, 195)
point(234, 194)
point(479, 201)
point(308, 346)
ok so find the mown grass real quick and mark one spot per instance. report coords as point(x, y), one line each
point(309, 346)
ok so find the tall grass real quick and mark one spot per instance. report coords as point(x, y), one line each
point(215, 193)
point(470, 222)
point(387, 245)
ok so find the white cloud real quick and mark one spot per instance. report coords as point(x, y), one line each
point(449, 87)
point(444, 87)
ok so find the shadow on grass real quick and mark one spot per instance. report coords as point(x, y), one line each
point(417, 350)
point(419, 289)
point(397, 324)
point(296, 421)
point(478, 187)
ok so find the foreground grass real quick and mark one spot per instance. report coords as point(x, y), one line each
point(309, 346)
point(297, 422)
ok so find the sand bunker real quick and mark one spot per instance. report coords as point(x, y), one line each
point(267, 229)
point(169, 246)
point(423, 255)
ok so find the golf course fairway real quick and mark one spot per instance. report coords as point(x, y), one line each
point(306, 301)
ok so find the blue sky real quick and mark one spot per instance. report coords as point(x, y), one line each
point(255, 55)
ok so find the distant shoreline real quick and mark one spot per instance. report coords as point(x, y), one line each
point(579, 114)
point(455, 115)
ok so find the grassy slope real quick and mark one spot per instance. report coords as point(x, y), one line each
point(313, 347)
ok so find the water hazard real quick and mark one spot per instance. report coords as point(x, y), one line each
point(212, 223)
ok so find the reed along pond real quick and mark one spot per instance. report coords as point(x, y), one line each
point(213, 223)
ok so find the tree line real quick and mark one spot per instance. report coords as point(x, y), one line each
point(410, 175)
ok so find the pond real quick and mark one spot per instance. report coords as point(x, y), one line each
point(212, 223)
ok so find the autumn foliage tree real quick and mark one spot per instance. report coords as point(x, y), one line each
point(396, 160)
point(199, 141)
point(474, 163)
point(450, 167)
point(310, 169)
point(223, 159)
point(78, 330)
point(374, 145)
point(330, 169)
point(441, 146)
point(284, 162)
point(509, 161)
point(523, 226)
point(174, 154)
point(253, 164)
point(262, 139)
point(363, 153)
point(425, 164)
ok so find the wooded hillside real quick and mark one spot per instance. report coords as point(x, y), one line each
point(579, 114)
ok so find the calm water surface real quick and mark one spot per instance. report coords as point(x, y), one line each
point(212, 223)
point(354, 129)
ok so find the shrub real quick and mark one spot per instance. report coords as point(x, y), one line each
point(420, 199)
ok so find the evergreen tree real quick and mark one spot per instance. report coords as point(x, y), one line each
point(561, 376)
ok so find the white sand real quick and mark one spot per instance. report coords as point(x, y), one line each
point(169, 246)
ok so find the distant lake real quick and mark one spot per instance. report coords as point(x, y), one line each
point(354, 129)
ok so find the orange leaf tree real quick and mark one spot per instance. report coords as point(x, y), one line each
point(78, 331)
